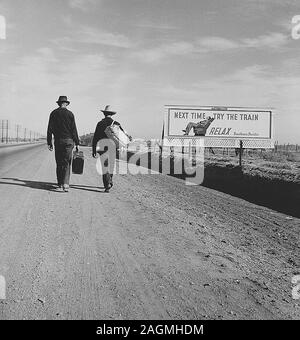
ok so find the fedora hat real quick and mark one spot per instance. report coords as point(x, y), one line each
point(108, 110)
point(63, 99)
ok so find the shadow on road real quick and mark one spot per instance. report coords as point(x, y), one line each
point(47, 186)
point(85, 188)
point(31, 184)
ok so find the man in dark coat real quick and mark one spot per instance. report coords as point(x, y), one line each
point(62, 125)
point(108, 148)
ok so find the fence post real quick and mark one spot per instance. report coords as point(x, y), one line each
point(240, 154)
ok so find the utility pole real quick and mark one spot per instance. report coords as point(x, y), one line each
point(18, 126)
point(7, 131)
point(2, 132)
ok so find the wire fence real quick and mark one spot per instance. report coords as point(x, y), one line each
point(15, 133)
point(286, 147)
point(280, 152)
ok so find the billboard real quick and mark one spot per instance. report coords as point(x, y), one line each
point(228, 123)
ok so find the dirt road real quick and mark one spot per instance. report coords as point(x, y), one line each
point(153, 248)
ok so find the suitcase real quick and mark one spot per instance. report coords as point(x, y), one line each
point(114, 133)
point(77, 162)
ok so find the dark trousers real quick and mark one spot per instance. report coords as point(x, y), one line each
point(63, 157)
point(108, 160)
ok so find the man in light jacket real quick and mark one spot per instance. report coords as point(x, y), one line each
point(108, 152)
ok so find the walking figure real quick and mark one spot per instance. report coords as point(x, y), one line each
point(62, 125)
point(108, 148)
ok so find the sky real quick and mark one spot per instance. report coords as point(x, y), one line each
point(139, 55)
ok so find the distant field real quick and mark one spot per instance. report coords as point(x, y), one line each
point(266, 164)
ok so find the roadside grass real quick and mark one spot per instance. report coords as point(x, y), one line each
point(283, 166)
point(283, 156)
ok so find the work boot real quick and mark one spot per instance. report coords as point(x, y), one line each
point(111, 182)
point(59, 187)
